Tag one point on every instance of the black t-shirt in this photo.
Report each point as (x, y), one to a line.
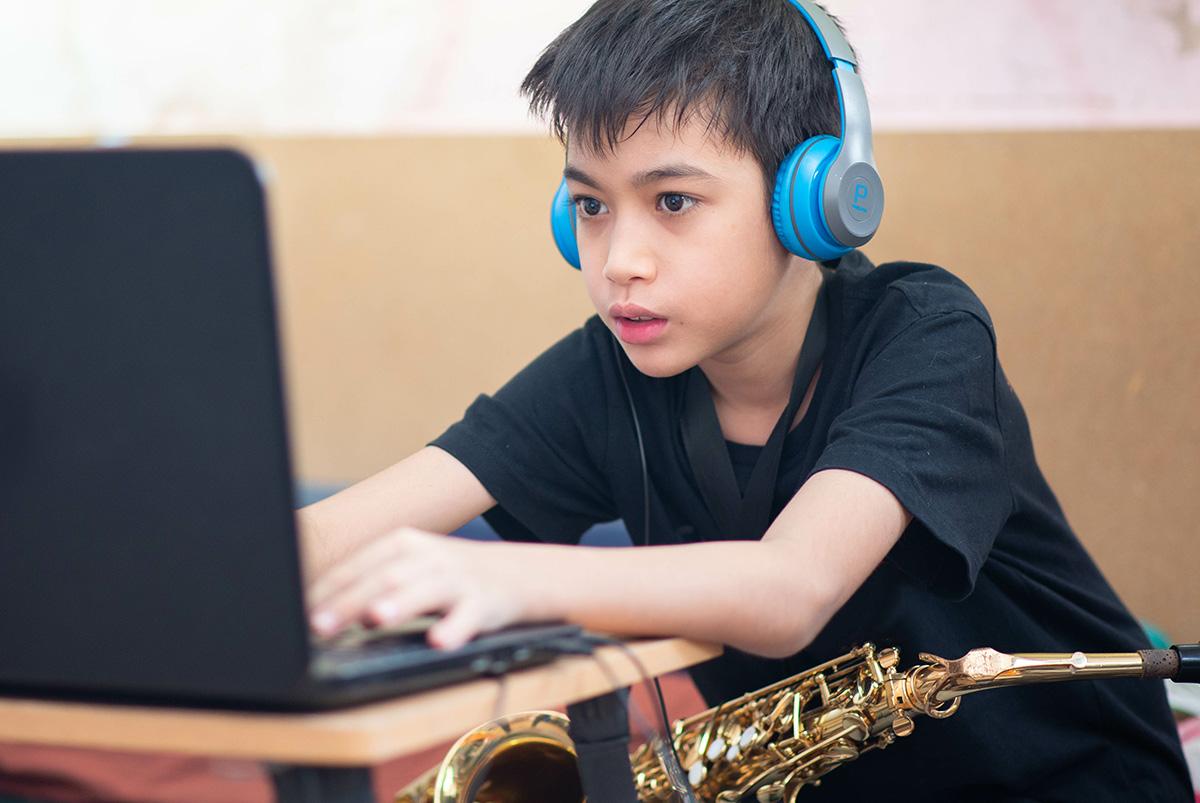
(912, 395)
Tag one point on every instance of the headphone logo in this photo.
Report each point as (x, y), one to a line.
(862, 192)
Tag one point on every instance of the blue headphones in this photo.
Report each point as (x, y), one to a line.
(828, 196)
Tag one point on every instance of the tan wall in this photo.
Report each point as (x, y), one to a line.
(417, 272)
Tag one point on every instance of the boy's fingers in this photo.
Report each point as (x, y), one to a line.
(456, 628)
(382, 603)
(337, 605)
(334, 581)
(359, 565)
(409, 603)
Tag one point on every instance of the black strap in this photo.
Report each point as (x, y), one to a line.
(599, 727)
(735, 515)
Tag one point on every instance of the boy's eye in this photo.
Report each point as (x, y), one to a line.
(588, 207)
(675, 203)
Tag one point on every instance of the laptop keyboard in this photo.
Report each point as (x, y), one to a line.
(358, 649)
(358, 637)
(361, 651)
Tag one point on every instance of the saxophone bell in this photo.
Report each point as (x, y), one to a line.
(523, 757)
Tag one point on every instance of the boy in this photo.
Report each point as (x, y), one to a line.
(903, 502)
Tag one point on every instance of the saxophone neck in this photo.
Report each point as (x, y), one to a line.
(940, 680)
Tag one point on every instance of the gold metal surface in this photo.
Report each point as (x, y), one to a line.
(523, 757)
(766, 745)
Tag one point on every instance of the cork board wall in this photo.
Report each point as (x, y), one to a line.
(415, 273)
(420, 272)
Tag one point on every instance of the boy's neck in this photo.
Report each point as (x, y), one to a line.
(752, 382)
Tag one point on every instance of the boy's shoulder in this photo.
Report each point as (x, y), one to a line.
(904, 291)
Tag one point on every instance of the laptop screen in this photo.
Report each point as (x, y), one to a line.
(146, 529)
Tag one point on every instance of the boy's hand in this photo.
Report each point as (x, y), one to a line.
(406, 573)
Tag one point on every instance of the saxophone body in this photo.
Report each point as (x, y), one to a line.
(767, 745)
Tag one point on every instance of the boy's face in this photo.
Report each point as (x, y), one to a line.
(674, 224)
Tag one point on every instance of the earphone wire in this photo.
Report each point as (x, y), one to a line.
(675, 772)
(662, 746)
(637, 431)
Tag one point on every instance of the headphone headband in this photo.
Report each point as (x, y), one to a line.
(852, 177)
(828, 33)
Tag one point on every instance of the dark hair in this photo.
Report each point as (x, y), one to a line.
(755, 67)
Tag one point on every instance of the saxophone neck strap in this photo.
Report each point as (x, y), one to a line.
(736, 515)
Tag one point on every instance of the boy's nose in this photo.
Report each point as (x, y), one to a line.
(625, 271)
(629, 258)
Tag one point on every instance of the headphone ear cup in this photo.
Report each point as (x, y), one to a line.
(562, 225)
(796, 205)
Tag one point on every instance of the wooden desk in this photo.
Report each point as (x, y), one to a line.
(327, 756)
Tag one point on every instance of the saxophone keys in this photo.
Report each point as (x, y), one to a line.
(771, 793)
(889, 658)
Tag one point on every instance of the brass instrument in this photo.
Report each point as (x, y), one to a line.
(768, 744)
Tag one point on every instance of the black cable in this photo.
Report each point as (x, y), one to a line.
(662, 707)
(585, 644)
(661, 742)
(637, 430)
(671, 763)
(501, 694)
(648, 730)
(658, 694)
(598, 639)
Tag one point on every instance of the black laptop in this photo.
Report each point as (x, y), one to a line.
(147, 536)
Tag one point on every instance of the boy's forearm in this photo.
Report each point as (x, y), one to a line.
(430, 490)
(318, 547)
(325, 536)
(747, 594)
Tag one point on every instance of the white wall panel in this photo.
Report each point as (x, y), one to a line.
(138, 67)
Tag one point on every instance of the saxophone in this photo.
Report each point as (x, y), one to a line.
(768, 744)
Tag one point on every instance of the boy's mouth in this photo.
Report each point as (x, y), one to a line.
(633, 312)
(637, 325)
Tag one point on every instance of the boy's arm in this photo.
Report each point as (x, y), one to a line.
(768, 597)
(429, 490)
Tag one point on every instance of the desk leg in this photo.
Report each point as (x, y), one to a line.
(600, 730)
(322, 784)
